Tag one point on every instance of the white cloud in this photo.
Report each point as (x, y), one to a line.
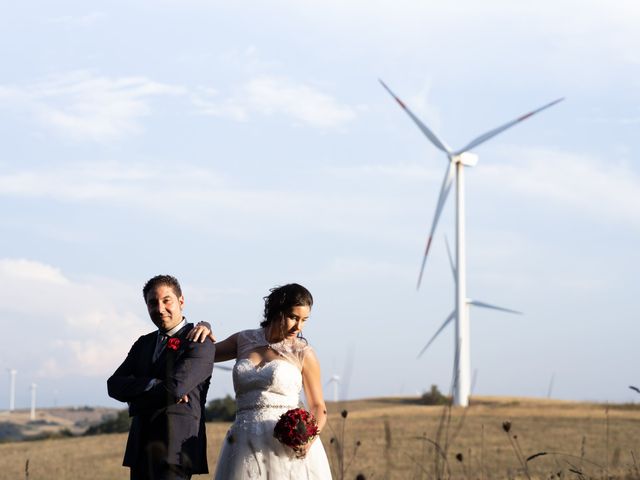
(270, 95)
(76, 328)
(301, 102)
(106, 339)
(28, 270)
(110, 181)
(196, 193)
(604, 189)
(207, 103)
(84, 106)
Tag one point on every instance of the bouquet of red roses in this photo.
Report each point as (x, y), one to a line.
(295, 428)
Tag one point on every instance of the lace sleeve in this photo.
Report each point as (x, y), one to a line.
(293, 350)
(250, 340)
(308, 351)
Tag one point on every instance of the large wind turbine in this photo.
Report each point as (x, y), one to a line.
(457, 160)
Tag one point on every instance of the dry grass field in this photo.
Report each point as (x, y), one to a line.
(396, 438)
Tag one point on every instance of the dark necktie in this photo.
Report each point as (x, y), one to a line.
(161, 342)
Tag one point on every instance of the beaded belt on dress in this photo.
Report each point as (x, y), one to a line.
(258, 406)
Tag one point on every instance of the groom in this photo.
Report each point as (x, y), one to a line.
(165, 379)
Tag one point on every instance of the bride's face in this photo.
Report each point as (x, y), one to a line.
(294, 321)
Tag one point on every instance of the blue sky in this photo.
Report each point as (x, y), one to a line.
(244, 146)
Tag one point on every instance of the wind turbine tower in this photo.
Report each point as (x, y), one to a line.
(12, 388)
(33, 401)
(457, 160)
(335, 379)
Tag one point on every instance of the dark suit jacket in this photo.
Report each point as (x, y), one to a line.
(161, 429)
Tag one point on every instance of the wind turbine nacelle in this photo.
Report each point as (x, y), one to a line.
(467, 159)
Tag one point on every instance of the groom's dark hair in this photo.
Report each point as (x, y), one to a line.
(158, 280)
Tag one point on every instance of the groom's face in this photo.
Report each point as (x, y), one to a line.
(165, 307)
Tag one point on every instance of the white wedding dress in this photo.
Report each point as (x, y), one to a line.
(263, 393)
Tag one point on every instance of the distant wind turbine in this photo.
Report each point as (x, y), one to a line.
(335, 380)
(12, 388)
(457, 160)
(33, 401)
(468, 302)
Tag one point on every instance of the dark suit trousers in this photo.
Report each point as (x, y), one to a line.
(159, 472)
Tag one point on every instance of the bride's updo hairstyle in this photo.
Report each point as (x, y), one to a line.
(282, 299)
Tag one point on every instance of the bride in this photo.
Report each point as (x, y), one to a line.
(273, 364)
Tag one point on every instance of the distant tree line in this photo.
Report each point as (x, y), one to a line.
(217, 410)
(434, 397)
(110, 424)
(221, 410)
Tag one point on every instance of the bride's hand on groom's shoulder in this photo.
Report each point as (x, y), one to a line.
(200, 332)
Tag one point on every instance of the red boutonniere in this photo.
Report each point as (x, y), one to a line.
(173, 343)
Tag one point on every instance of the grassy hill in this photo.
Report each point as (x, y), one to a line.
(397, 438)
(18, 425)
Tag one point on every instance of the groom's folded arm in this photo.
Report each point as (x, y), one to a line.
(192, 368)
(123, 385)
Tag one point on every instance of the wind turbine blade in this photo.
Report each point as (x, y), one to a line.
(333, 379)
(347, 373)
(493, 307)
(550, 389)
(446, 322)
(455, 377)
(442, 198)
(473, 381)
(430, 135)
(492, 133)
(453, 267)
